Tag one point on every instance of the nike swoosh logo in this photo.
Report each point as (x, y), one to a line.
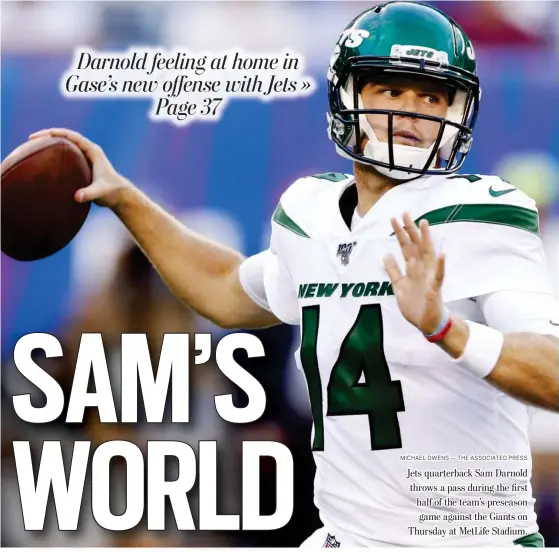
(499, 193)
(554, 323)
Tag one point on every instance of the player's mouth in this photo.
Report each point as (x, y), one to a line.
(407, 138)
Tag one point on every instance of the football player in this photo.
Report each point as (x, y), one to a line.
(428, 328)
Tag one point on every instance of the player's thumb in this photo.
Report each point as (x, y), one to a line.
(94, 191)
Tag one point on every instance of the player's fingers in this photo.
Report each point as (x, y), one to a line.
(402, 237)
(39, 134)
(411, 228)
(392, 269)
(427, 246)
(414, 268)
(439, 275)
(91, 150)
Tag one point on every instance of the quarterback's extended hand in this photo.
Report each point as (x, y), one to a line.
(418, 291)
(107, 186)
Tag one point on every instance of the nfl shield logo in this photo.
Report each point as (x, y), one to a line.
(331, 542)
(344, 251)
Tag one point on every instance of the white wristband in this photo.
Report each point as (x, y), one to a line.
(482, 351)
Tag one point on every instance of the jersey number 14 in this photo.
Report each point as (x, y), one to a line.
(361, 354)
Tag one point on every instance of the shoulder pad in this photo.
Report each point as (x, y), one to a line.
(304, 206)
(500, 249)
(478, 188)
(480, 198)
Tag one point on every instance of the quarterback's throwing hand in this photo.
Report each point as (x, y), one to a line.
(107, 186)
(418, 291)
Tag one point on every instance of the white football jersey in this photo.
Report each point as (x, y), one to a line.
(399, 428)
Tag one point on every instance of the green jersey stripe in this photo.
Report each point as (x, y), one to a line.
(505, 215)
(283, 219)
(535, 540)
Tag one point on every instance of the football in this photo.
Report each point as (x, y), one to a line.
(38, 182)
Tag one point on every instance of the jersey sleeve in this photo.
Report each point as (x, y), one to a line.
(251, 276)
(266, 280)
(521, 311)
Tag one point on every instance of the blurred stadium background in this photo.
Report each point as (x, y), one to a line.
(224, 180)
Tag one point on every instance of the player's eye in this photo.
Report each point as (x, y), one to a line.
(432, 99)
(390, 92)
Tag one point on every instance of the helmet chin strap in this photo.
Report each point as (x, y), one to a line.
(404, 156)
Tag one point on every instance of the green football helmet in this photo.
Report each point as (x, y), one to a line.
(403, 37)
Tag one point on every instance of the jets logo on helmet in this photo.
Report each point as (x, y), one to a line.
(355, 37)
(350, 38)
(413, 39)
(399, 50)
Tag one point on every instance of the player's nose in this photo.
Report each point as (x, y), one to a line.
(410, 102)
